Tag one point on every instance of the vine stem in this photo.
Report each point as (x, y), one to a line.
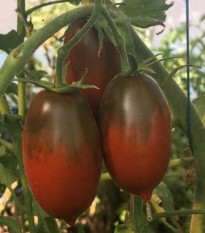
(177, 212)
(19, 56)
(137, 216)
(65, 49)
(4, 106)
(21, 112)
(120, 42)
(24, 183)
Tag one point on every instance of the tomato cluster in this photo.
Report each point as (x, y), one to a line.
(63, 146)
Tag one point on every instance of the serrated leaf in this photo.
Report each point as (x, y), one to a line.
(200, 107)
(9, 41)
(145, 13)
(145, 22)
(12, 224)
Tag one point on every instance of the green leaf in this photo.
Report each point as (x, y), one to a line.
(11, 124)
(145, 13)
(200, 107)
(8, 169)
(37, 210)
(12, 224)
(9, 41)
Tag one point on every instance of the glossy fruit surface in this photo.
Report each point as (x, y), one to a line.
(102, 63)
(135, 125)
(62, 154)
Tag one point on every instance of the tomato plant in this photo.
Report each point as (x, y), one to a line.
(61, 144)
(103, 63)
(135, 125)
(62, 154)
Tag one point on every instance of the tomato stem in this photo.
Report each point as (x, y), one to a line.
(21, 111)
(120, 42)
(65, 49)
(137, 215)
(4, 106)
(21, 99)
(26, 191)
(22, 33)
(177, 212)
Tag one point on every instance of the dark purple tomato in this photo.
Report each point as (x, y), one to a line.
(62, 154)
(135, 126)
(102, 63)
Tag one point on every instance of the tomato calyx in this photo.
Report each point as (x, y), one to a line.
(63, 88)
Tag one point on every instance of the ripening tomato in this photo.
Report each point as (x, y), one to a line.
(62, 153)
(135, 126)
(102, 63)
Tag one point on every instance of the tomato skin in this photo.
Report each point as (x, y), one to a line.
(62, 154)
(135, 126)
(102, 64)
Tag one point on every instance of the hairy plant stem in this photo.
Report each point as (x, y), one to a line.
(178, 102)
(22, 33)
(120, 42)
(65, 49)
